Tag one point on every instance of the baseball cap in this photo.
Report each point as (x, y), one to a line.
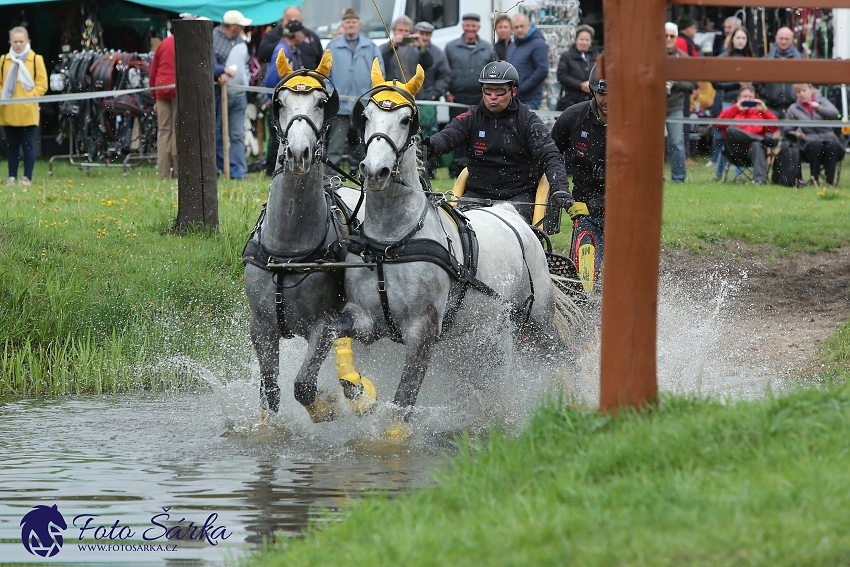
(235, 17)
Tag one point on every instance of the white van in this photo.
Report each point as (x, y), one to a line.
(325, 16)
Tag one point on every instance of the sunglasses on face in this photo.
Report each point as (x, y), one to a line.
(669, 35)
(491, 91)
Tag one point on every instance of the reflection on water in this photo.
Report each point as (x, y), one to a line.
(126, 458)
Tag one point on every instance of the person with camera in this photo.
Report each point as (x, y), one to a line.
(749, 140)
(508, 147)
(404, 48)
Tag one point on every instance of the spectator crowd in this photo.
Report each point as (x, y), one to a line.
(452, 74)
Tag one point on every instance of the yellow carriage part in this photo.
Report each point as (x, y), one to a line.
(541, 198)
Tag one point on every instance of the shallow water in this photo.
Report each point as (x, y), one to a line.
(127, 458)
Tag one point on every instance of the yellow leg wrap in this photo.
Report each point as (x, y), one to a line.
(398, 430)
(360, 393)
(324, 407)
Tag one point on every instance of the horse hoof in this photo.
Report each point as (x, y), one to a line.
(399, 430)
(324, 408)
(362, 398)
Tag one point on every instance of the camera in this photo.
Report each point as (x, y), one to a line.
(750, 103)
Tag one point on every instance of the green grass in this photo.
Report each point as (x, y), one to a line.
(96, 285)
(695, 482)
(97, 288)
(702, 213)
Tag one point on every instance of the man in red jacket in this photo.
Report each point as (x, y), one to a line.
(162, 73)
(749, 140)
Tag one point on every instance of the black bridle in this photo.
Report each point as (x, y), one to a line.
(359, 120)
(330, 110)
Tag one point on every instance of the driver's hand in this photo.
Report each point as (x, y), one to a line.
(562, 199)
(578, 210)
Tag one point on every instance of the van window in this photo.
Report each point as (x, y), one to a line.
(441, 13)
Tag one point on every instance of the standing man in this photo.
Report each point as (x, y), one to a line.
(779, 96)
(678, 95)
(730, 24)
(508, 146)
(436, 85)
(353, 54)
(230, 55)
(310, 47)
(411, 52)
(165, 104)
(466, 55)
(687, 32)
(581, 132)
(530, 55)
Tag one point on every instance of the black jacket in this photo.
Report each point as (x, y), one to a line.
(730, 89)
(573, 70)
(508, 154)
(409, 55)
(310, 47)
(579, 131)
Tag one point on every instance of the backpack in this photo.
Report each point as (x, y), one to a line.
(786, 165)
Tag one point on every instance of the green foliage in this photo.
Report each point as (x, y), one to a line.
(694, 482)
(96, 283)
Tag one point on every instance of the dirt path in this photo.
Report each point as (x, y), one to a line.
(782, 309)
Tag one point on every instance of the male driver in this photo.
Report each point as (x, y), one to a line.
(230, 67)
(310, 46)
(530, 55)
(508, 146)
(467, 55)
(581, 132)
(747, 140)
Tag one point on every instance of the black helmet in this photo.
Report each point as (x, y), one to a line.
(597, 85)
(498, 72)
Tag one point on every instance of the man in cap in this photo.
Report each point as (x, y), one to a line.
(508, 146)
(230, 67)
(687, 32)
(310, 46)
(351, 74)
(436, 83)
(581, 133)
(466, 55)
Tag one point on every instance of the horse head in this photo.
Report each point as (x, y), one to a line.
(390, 122)
(303, 108)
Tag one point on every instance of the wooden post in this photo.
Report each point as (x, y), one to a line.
(197, 197)
(633, 188)
(225, 132)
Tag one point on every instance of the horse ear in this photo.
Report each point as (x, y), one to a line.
(377, 74)
(414, 84)
(283, 68)
(326, 63)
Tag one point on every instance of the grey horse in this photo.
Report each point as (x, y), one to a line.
(301, 223)
(409, 301)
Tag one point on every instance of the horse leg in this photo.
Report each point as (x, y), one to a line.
(419, 337)
(266, 340)
(359, 391)
(321, 405)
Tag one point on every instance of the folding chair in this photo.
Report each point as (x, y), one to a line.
(743, 164)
